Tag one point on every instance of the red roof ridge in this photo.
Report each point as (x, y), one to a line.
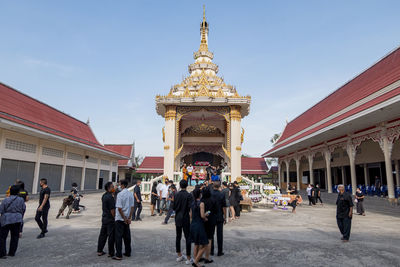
(12, 88)
(348, 81)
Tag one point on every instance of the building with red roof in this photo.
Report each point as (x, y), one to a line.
(125, 166)
(38, 141)
(349, 137)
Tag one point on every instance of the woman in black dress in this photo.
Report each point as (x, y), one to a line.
(209, 225)
(232, 201)
(154, 197)
(197, 232)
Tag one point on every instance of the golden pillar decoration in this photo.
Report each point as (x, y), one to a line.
(170, 113)
(235, 113)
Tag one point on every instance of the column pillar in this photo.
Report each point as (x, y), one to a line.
(287, 174)
(1, 146)
(310, 167)
(111, 171)
(343, 169)
(169, 141)
(351, 152)
(396, 167)
(64, 170)
(37, 169)
(298, 173)
(387, 151)
(83, 176)
(236, 148)
(328, 157)
(366, 180)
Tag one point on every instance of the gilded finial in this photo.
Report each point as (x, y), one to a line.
(204, 32)
(204, 13)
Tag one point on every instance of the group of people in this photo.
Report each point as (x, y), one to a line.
(211, 172)
(12, 211)
(313, 194)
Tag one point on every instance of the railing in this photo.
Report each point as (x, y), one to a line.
(253, 185)
(146, 185)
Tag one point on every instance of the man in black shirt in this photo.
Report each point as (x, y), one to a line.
(138, 202)
(107, 221)
(344, 212)
(182, 202)
(43, 210)
(220, 204)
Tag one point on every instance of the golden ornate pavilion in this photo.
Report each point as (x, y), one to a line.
(203, 116)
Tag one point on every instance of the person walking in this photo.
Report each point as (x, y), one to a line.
(360, 202)
(210, 209)
(171, 199)
(137, 201)
(153, 198)
(12, 210)
(107, 230)
(182, 203)
(220, 204)
(318, 194)
(25, 196)
(198, 233)
(232, 201)
(159, 188)
(238, 198)
(163, 197)
(190, 174)
(226, 192)
(123, 219)
(42, 211)
(309, 189)
(344, 213)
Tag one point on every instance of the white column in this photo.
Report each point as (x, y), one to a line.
(287, 174)
(310, 167)
(387, 151)
(169, 141)
(64, 170)
(351, 152)
(298, 172)
(236, 148)
(37, 169)
(328, 156)
(366, 180)
(110, 173)
(396, 167)
(83, 177)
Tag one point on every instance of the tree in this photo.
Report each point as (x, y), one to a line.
(274, 138)
(273, 161)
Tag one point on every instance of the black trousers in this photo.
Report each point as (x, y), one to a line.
(220, 238)
(137, 210)
(189, 180)
(41, 218)
(122, 232)
(107, 232)
(309, 200)
(344, 225)
(186, 232)
(14, 229)
(237, 209)
(316, 199)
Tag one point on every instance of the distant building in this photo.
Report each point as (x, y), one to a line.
(38, 141)
(125, 166)
(151, 167)
(255, 168)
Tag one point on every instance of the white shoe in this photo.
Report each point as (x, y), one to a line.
(181, 258)
(189, 262)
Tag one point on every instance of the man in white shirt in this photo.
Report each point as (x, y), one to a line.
(123, 218)
(190, 173)
(158, 188)
(164, 196)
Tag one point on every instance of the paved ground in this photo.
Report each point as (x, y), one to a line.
(264, 237)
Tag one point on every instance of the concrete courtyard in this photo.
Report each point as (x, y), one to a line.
(264, 237)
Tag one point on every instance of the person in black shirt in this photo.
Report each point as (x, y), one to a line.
(344, 212)
(24, 194)
(318, 194)
(43, 210)
(182, 203)
(137, 202)
(171, 198)
(209, 225)
(360, 202)
(220, 203)
(107, 221)
(154, 198)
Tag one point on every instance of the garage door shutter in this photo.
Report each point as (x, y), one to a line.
(12, 170)
(90, 179)
(72, 175)
(53, 175)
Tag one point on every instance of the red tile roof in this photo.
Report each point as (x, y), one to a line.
(249, 166)
(125, 150)
(378, 76)
(152, 165)
(25, 110)
(256, 166)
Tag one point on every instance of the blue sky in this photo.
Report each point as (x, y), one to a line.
(106, 60)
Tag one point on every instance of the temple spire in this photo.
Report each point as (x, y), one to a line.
(204, 32)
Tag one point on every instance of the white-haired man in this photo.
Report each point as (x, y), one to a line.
(344, 212)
